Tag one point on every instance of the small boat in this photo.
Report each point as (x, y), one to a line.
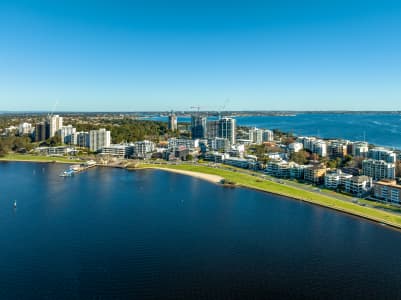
(15, 203)
(67, 173)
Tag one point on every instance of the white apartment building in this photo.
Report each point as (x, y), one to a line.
(295, 147)
(67, 134)
(81, 139)
(55, 122)
(216, 157)
(241, 163)
(256, 135)
(284, 169)
(118, 150)
(382, 154)
(314, 145)
(320, 148)
(358, 185)
(219, 144)
(360, 149)
(174, 143)
(24, 128)
(142, 148)
(378, 169)
(99, 139)
(333, 179)
(268, 135)
(228, 129)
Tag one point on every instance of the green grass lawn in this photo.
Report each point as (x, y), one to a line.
(249, 181)
(37, 158)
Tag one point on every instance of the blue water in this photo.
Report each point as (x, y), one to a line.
(116, 234)
(379, 129)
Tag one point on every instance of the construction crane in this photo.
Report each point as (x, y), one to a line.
(49, 115)
(197, 107)
(223, 107)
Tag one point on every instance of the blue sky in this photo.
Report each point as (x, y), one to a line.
(162, 55)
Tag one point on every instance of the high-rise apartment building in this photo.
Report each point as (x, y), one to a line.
(172, 122)
(256, 135)
(228, 129)
(199, 127)
(212, 129)
(99, 139)
(81, 139)
(55, 122)
(67, 134)
(42, 131)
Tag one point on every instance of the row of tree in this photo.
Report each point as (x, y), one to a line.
(129, 130)
(15, 144)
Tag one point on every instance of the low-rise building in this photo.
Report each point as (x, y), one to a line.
(380, 153)
(358, 185)
(378, 169)
(338, 149)
(314, 145)
(278, 168)
(219, 144)
(295, 147)
(315, 174)
(119, 150)
(333, 180)
(215, 157)
(56, 151)
(360, 149)
(241, 163)
(174, 143)
(143, 149)
(284, 169)
(387, 190)
(25, 129)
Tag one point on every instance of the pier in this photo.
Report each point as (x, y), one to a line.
(78, 168)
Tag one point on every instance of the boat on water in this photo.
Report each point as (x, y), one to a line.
(15, 203)
(67, 173)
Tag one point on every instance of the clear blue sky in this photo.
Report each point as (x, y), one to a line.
(162, 55)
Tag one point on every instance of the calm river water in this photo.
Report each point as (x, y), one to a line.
(116, 234)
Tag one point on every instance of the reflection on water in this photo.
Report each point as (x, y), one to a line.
(115, 234)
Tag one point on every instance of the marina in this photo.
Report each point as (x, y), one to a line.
(78, 168)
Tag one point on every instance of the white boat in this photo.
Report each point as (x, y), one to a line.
(67, 173)
(15, 203)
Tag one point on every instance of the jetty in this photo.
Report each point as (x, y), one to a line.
(78, 168)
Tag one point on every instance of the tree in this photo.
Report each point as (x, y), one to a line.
(398, 169)
(332, 164)
(301, 157)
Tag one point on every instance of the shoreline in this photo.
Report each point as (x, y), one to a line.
(38, 161)
(208, 177)
(336, 205)
(217, 175)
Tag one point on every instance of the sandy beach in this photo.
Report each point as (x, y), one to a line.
(208, 177)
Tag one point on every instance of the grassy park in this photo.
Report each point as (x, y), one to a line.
(38, 158)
